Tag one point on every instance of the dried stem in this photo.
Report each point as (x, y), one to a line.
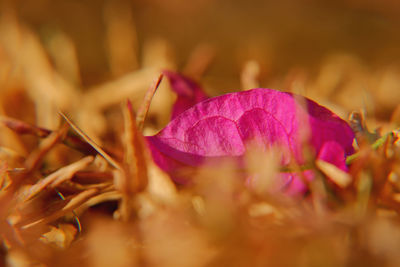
(92, 143)
(144, 107)
(21, 127)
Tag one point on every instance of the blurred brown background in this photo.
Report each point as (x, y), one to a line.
(279, 34)
(343, 54)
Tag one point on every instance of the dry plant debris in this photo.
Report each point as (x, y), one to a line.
(79, 188)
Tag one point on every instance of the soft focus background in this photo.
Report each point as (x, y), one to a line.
(68, 206)
(280, 35)
(289, 40)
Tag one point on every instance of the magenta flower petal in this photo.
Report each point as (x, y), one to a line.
(333, 153)
(188, 92)
(294, 182)
(222, 127)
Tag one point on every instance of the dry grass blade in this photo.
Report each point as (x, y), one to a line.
(46, 87)
(316, 187)
(46, 145)
(92, 143)
(160, 186)
(70, 205)
(61, 236)
(113, 92)
(134, 177)
(80, 199)
(21, 127)
(144, 107)
(57, 177)
(70, 170)
(89, 177)
(135, 157)
(339, 177)
(10, 155)
(357, 123)
(70, 186)
(3, 174)
(250, 75)
(100, 198)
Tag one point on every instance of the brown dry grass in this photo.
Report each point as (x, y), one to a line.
(78, 187)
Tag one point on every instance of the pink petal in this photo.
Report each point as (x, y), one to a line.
(333, 153)
(188, 92)
(222, 127)
(295, 184)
